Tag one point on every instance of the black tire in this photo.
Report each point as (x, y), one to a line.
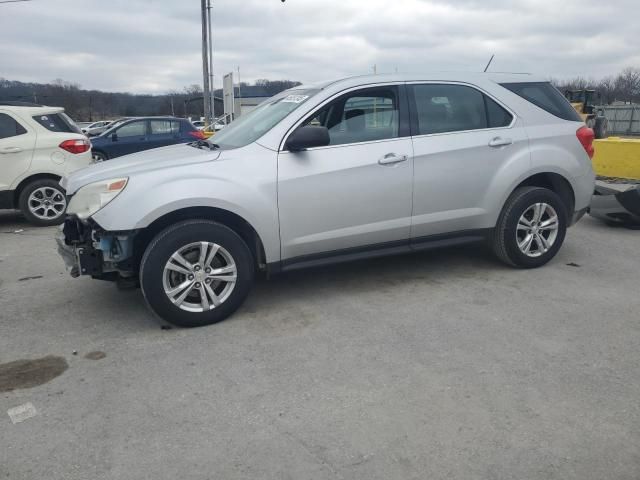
(505, 236)
(600, 127)
(99, 156)
(40, 220)
(173, 239)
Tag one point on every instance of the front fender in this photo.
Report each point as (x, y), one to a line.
(252, 197)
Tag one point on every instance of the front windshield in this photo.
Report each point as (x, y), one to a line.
(264, 117)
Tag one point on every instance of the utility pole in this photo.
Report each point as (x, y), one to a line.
(212, 88)
(204, 4)
(239, 90)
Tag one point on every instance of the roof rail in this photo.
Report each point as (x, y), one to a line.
(7, 103)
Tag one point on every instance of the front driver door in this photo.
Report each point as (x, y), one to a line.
(354, 194)
(129, 138)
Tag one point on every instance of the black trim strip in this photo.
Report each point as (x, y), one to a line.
(379, 250)
(6, 199)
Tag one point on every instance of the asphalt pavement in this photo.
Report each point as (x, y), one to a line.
(443, 364)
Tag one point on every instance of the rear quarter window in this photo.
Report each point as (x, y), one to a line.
(545, 96)
(57, 122)
(9, 127)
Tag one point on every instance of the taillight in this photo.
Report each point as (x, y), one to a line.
(75, 146)
(198, 134)
(585, 136)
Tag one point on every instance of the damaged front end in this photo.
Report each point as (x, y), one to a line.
(87, 249)
(617, 205)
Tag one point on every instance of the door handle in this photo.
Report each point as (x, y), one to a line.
(392, 159)
(500, 142)
(10, 150)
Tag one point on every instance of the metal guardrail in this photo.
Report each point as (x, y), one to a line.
(622, 119)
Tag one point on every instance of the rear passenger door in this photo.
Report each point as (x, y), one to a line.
(17, 141)
(163, 133)
(462, 138)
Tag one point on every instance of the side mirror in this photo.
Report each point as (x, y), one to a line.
(308, 137)
(114, 137)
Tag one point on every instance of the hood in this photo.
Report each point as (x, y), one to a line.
(143, 162)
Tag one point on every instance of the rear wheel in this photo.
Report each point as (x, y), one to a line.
(531, 228)
(196, 273)
(43, 202)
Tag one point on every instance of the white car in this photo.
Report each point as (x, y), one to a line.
(38, 146)
(96, 128)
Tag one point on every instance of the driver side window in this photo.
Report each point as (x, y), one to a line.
(360, 116)
(133, 129)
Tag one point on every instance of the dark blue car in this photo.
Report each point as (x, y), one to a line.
(138, 134)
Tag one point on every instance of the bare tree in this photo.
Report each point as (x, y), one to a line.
(628, 84)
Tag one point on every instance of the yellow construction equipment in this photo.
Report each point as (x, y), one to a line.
(617, 158)
(583, 102)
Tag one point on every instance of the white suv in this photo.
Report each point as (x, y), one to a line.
(38, 146)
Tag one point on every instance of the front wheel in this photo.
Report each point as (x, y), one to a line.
(531, 228)
(196, 273)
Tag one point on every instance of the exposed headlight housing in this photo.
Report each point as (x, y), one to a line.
(94, 196)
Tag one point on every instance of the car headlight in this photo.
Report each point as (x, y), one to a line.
(94, 196)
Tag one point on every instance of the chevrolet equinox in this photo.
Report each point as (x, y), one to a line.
(344, 170)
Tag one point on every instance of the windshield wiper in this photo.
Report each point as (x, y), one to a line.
(204, 143)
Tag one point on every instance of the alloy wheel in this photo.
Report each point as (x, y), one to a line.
(47, 203)
(199, 276)
(537, 229)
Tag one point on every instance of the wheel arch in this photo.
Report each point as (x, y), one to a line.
(225, 217)
(100, 151)
(554, 182)
(32, 178)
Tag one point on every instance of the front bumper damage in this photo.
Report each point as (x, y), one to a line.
(87, 249)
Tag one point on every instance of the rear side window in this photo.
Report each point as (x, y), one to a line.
(57, 122)
(164, 127)
(496, 115)
(448, 108)
(9, 127)
(545, 96)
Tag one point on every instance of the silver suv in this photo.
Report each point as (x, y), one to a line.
(351, 169)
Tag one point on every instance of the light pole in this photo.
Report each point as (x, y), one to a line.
(206, 59)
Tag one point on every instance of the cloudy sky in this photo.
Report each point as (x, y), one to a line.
(154, 45)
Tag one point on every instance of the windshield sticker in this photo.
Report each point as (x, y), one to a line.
(295, 98)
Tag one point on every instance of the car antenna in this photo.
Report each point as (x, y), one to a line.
(490, 60)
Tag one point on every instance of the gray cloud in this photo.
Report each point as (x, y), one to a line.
(153, 45)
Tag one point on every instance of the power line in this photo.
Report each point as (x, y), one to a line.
(13, 1)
